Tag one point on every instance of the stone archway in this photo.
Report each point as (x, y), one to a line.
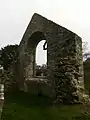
(31, 51)
(64, 58)
(41, 59)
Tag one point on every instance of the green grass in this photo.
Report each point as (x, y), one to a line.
(24, 106)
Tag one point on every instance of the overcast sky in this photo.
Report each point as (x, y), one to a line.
(15, 15)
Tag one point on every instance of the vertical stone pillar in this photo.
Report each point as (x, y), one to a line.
(66, 67)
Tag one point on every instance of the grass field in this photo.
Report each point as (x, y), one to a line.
(24, 106)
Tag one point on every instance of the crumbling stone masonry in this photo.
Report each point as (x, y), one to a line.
(64, 59)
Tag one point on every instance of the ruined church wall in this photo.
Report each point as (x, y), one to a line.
(65, 68)
(65, 64)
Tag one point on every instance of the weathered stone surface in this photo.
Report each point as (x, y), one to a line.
(64, 58)
(38, 85)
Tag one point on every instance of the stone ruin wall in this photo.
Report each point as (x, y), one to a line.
(65, 65)
(64, 56)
